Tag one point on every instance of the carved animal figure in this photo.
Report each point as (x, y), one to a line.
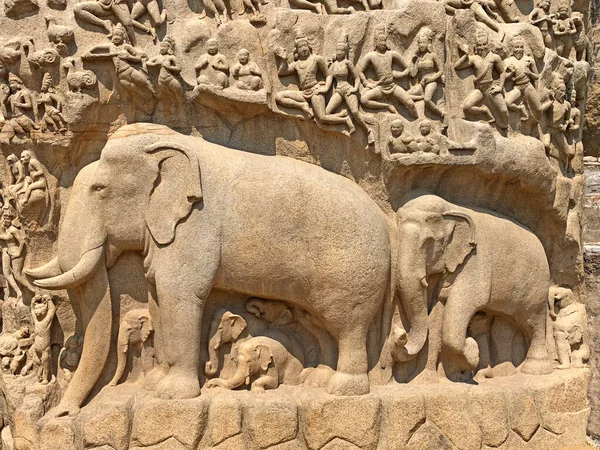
(80, 79)
(263, 363)
(486, 262)
(205, 216)
(134, 332)
(229, 328)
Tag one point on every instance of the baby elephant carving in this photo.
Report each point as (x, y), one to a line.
(263, 363)
(134, 339)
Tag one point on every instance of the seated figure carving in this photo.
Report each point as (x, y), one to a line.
(570, 328)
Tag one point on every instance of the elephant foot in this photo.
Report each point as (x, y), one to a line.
(348, 384)
(63, 409)
(178, 385)
(537, 366)
(152, 378)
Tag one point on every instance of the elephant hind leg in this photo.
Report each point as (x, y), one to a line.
(537, 361)
(351, 376)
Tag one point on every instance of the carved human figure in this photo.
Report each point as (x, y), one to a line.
(169, 89)
(70, 355)
(13, 242)
(14, 345)
(489, 76)
(212, 68)
(218, 9)
(263, 363)
(563, 29)
(134, 338)
(344, 72)
(21, 106)
(42, 312)
(482, 10)
(574, 119)
(540, 17)
(35, 177)
(581, 43)
(4, 93)
(401, 141)
(570, 325)
(17, 175)
(558, 116)
(307, 66)
(99, 12)
(53, 119)
(246, 73)
(157, 17)
(427, 142)
(255, 7)
(122, 54)
(427, 69)
(522, 71)
(383, 60)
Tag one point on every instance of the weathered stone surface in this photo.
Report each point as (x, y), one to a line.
(325, 419)
(270, 421)
(224, 419)
(157, 420)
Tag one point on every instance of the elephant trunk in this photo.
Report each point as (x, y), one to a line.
(412, 287)
(80, 273)
(212, 365)
(96, 314)
(241, 376)
(122, 348)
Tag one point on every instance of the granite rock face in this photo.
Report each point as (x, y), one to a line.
(290, 224)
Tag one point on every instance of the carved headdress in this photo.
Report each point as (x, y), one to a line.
(15, 78)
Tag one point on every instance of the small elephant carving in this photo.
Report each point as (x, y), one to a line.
(263, 363)
(570, 324)
(135, 337)
(230, 328)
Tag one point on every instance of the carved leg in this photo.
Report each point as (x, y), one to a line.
(351, 376)
(370, 99)
(534, 325)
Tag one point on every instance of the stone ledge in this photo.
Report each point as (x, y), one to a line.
(521, 411)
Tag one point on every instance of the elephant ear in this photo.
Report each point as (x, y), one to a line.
(462, 239)
(176, 188)
(237, 324)
(265, 357)
(575, 335)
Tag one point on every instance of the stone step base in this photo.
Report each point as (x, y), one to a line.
(520, 411)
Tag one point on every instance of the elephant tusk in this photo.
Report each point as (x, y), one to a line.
(48, 270)
(424, 282)
(79, 274)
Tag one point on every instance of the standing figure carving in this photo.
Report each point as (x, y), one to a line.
(427, 70)
(35, 178)
(557, 120)
(70, 355)
(212, 68)
(522, 71)
(42, 312)
(540, 17)
(383, 60)
(307, 66)
(134, 81)
(343, 71)
(563, 29)
(489, 75)
(169, 89)
(53, 119)
(13, 242)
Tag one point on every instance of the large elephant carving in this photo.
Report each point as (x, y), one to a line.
(481, 261)
(205, 216)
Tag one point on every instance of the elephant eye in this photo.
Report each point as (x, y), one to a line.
(98, 187)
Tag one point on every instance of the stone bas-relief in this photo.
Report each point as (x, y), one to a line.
(237, 224)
